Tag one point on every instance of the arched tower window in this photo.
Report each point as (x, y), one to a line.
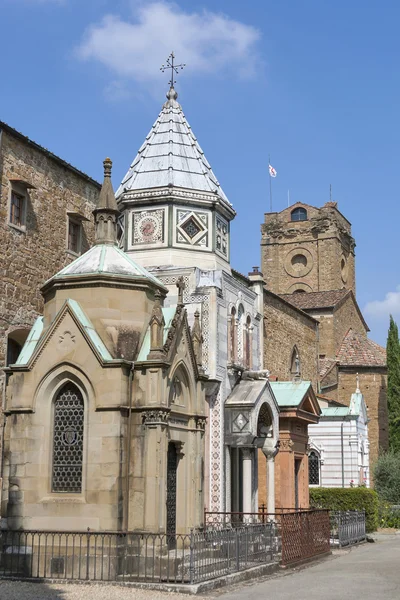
(313, 468)
(232, 349)
(68, 440)
(247, 343)
(298, 214)
(240, 334)
(295, 365)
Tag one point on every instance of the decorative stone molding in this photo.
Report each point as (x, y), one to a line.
(155, 417)
(201, 423)
(286, 445)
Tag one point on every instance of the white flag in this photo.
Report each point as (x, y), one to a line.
(272, 171)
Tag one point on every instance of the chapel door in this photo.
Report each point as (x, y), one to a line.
(172, 464)
(297, 465)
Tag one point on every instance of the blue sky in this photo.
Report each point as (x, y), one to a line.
(315, 84)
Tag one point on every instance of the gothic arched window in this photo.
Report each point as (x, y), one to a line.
(232, 350)
(240, 332)
(247, 343)
(298, 214)
(313, 468)
(68, 440)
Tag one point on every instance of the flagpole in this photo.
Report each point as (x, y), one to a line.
(270, 184)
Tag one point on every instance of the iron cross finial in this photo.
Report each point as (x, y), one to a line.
(170, 64)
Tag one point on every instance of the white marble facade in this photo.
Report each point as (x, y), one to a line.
(339, 445)
(176, 223)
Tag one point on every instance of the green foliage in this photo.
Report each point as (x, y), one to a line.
(389, 516)
(393, 389)
(387, 476)
(359, 498)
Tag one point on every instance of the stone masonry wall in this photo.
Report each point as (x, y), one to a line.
(323, 241)
(29, 258)
(285, 327)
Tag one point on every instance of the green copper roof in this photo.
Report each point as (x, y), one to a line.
(90, 330)
(106, 259)
(37, 330)
(31, 341)
(289, 393)
(335, 411)
(169, 313)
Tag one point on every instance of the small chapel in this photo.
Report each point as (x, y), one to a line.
(107, 400)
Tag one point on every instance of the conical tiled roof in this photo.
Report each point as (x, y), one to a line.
(171, 157)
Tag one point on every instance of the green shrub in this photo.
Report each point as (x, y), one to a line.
(387, 477)
(359, 498)
(389, 516)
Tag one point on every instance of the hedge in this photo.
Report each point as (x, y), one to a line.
(359, 498)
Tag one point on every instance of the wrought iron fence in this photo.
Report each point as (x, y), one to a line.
(305, 535)
(347, 527)
(145, 557)
(299, 534)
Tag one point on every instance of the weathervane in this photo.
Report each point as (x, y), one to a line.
(174, 68)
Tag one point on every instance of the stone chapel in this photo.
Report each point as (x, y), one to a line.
(105, 404)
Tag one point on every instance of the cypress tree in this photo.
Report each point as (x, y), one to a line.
(393, 389)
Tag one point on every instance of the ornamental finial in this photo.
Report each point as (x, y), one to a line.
(358, 391)
(107, 164)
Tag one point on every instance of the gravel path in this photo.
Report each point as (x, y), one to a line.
(17, 590)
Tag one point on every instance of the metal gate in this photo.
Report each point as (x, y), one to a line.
(172, 463)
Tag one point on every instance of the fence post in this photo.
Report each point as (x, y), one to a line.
(191, 559)
(87, 553)
(237, 549)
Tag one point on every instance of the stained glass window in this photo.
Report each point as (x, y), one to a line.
(68, 440)
(313, 468)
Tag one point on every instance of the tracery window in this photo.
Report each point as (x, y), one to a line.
(247, 343)
(313, 468)
(68, 440)
(232, 350)
(299, 214)
(240, 332)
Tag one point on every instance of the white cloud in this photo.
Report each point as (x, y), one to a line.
(390, 305)
(207, 42)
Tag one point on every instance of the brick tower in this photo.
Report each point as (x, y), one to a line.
(307, 249)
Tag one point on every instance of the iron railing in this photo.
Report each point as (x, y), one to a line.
(347, 527)
(305, 535)
(145, 557)
(300, 534)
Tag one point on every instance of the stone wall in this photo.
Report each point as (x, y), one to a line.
(285, 327)
(335, 323)
(373, 385)
(30, 257)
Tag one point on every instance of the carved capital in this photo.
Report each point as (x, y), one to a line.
(286, 445)
(152, 418)
(201, 423)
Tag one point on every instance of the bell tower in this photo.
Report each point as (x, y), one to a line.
(307, 249)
